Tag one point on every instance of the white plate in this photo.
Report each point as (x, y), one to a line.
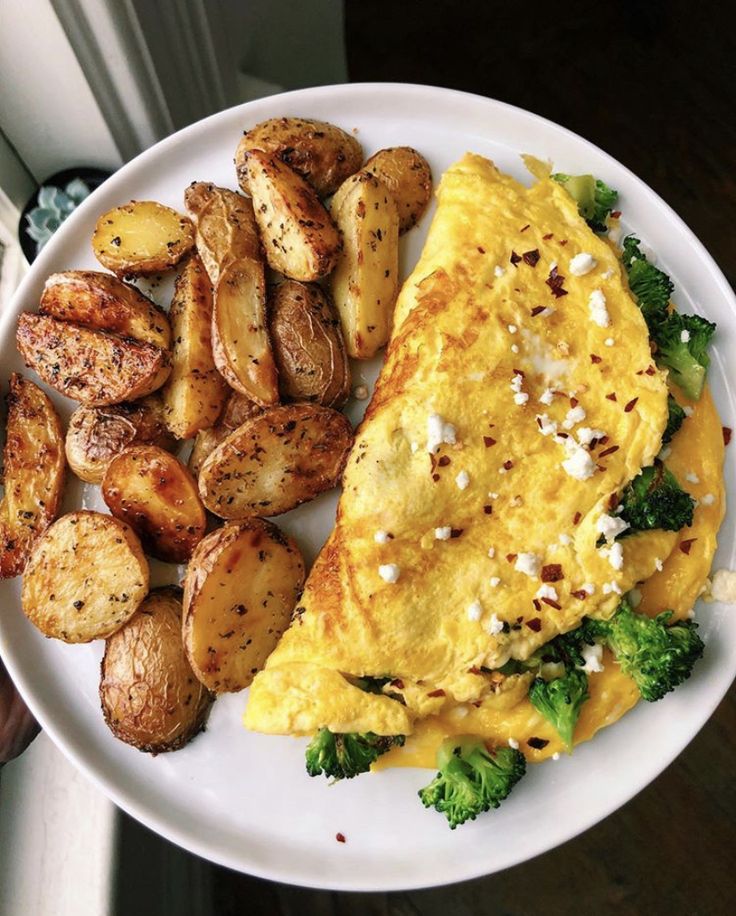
(244, 800)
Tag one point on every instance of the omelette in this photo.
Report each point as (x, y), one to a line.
(480, 514)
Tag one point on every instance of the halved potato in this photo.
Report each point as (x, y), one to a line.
(95, 435)
(86, 577)
(307, 345)
(321, 153)
(142, 237)
(299, 238)
(241, 586)
(274, 462)
(156, 495)
(237, 410)
(34, 466)
(101, 301)
(92, 367)
(195, 392)
(406, 173)
(365, 282)
(150, 696)
(205, 442)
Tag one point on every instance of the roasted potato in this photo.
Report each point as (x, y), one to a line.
(95, 435)
(141, 238)
(195, 392)
(407, 175)
(276, 461)
(365, 282)
(299, 238)
(150, 697)
(90, 366)
(321, 153)
(205, 442)
(101, 301)
(156, 495)
(33, 473)
(241, 586)
(307, 345)
(86, 577)
(237, 410)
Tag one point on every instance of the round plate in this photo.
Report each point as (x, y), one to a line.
(244, 800)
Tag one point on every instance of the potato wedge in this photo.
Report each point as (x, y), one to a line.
(274, 462)
(195, 392)
(205, 442)
(299, 238)
(241, 586)
(85, 579)
(95, 435)
(321, 153)
(101, 301)
(141, 238)
(237, 410)
(90, 366)
(365, 282)
(406, 173)
(150, 696)
(156, 495)
(307, 345)
(34, 466)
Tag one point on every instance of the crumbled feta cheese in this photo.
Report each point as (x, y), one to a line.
(516, 382)
(546, 426)
(658, 565)
(586, 435)
(552, 265)
(615, 232)
(547, 397)
(513, 744)
(494, 581)
(609, 587)
(381, 537)
(691, 477)
(579, 465)
(691, 614)
(414, 447)
(582, 264)
(443, 534)
(723, 586)
(528, 563)
(492, 495)
(438, 432)
(609, 341)
(588, 587)
(360, 392)
(516, 502)
(556, 755)
(573, 416)
(708, 499)
(688, 411)
(512, 329)
(685, 336)
(495, 626)
(616, 556)
(635, 597)
(514, 348)
(665, 453)
(607, 274)
(547, 591)
(592, 656)
(462, 480)
(389, 572)
(499, 271)
(610, 526)
(520, 398)
(475, 610)
(598, 310)
(491, 552)
(565, 539)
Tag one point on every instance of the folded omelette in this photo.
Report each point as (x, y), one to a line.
(518, 398)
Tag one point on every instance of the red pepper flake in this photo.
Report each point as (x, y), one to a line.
(552, 572)
(650, 370)
(602, 440)
(594, 358)
(444, 461)
(686, 545)
(613, 501)
(600, 467)
(488, 510)
(727, 433)
(340, 837)
(555, 281)
(474, 670)
(537, 605)
(481, 250)
(515, 258)
(435, 477)
(552, 603)
(580, 594)
(576, 518)
(564, 435)
(531, 257)
(615, 214)
(488, 441)
(538, 743)
(436, 693)
(611, 396)
(640, 372)
(510, 557)
(398, 683)
(519, 372)
(537, 310)
(477, 703)
(508, 464)
(547, 237)
(574, 402)
(631, 405)
(609, 451)
(524, 228)
(535, 624)
(563, 241)
(456, 532)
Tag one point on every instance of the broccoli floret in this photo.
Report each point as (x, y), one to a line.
(675, 419)
(471, 778)
(651, 286)
(344, 756)
(682, 346)
(658, 657)
(654, 499)
(594, 198)
(560, 701)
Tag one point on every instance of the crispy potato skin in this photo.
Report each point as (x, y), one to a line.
(34, 471)
(237, 410)
(299, 238)
(241, 586)
(365, 282)
(323, 154)
(195, 392)
(85, 579)
(89, 366)
(406, 173)
(307, 344)
(100, 301)
(155, 494)
(276, 461)
(95, 435)
(141, 238)
(149, 694)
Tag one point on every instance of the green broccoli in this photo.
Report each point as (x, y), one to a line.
(675, 419)
(560, 700)
(471, 778)
(654, 499)
(344, 756)
(657, 656)
(682, 346)
(651, 286)
(594, 198)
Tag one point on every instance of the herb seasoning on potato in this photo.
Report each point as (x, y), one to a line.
(406, 173)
